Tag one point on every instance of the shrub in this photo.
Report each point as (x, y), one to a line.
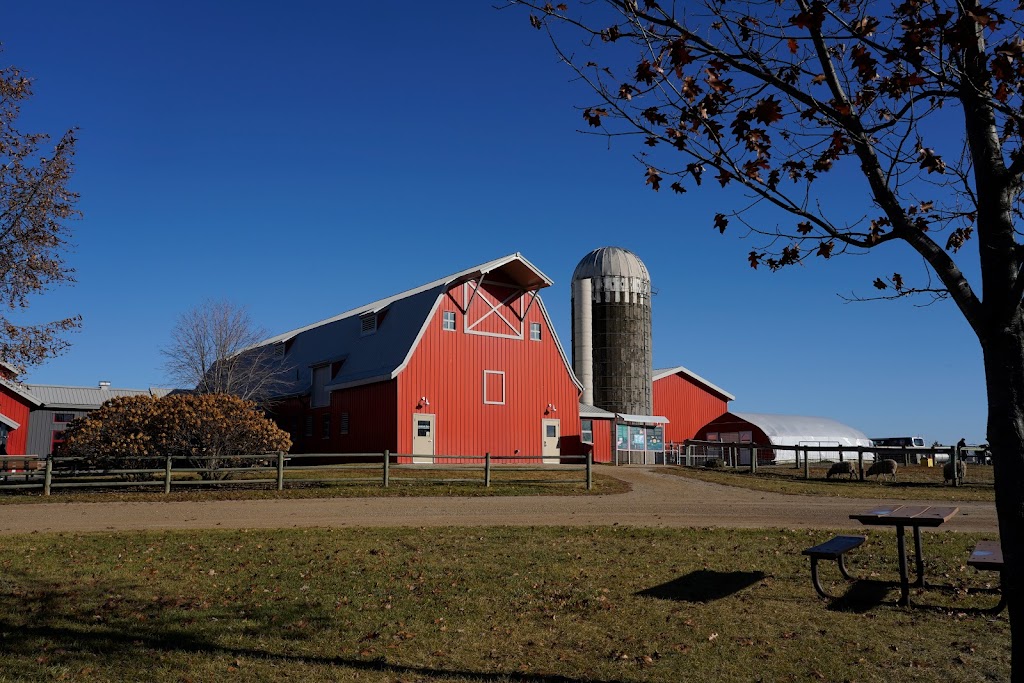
(205, 429)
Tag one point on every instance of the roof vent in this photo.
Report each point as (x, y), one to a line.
(368, 323)
(104, 385)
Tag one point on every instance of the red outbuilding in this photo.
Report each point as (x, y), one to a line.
(465, 365)
(15, 405)
(688, 401)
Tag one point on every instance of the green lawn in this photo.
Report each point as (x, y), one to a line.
(495, 605)
(913, 482)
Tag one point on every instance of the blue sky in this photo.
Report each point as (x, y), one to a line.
(301, 159)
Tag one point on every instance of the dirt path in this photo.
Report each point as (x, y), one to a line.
(656, 500)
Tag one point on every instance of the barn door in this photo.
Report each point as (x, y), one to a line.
(422, 438)
(552, 441)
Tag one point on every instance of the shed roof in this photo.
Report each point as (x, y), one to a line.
(85, 398)
(792, 430)
(680, 370)
(589, 412)
(21, 390)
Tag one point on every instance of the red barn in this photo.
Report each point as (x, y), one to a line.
(15, 405)
(464, 365)
(688, 400)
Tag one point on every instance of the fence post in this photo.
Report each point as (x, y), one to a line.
(387, 469)
(796, 457)
(807, 463)
(167, 474)
(590, 471)
(956, 465)
(48, 476)
(840, 454)
(688, 454)
(487, 469)
(280, 470)
(753, 458)
(860, 463)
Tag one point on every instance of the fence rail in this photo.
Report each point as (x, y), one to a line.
(695, 453)
(49, 472)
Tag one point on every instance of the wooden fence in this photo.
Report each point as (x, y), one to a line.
(751, 456)
(47, 473)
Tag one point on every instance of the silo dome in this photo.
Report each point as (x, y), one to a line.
(611, 331)
(611, 261)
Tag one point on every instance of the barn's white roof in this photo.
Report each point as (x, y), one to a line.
(84, 398)
(794, 430)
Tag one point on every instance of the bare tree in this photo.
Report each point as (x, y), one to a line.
(915, 106)
(35, 208)
(214, 349)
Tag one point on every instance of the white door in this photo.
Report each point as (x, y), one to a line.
(552, 441)
(422, 438)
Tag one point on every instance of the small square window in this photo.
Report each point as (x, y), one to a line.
(587, 431)
(448, 321)
(63, 417)
(534, 331)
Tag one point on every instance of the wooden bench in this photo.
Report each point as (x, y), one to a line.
(832, 549)
(988, 555)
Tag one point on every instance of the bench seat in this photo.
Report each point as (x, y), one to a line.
(832, 549)
(988, 555)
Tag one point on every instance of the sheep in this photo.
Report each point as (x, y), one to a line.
(947, 471)
(883, 467)
(841, 468)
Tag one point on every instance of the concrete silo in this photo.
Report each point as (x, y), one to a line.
(611, 331)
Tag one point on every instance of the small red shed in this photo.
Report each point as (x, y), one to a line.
(15, 405)
(688, 400)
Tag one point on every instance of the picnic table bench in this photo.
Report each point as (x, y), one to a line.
(988, 555)
(832, 549)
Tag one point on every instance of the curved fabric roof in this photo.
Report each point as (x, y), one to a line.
(793, 430)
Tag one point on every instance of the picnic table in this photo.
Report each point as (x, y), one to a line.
(902, 516)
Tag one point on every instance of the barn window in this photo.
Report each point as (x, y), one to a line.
(325, 427)
(309, 425)
(63, 417)
(448, 321)
(319, 396)
(343, 424)
(534, 331)
(494, 387)
(587, 431)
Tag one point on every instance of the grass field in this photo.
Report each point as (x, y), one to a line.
(913, 482)
(343, 483)
(520, 605)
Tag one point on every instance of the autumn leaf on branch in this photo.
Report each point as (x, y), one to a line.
(653, 178)
(720, 222)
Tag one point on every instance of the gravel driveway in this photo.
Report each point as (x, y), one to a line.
(656, 500)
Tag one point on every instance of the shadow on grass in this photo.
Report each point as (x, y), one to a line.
(46, 620)
(862, 596)
(703, 585)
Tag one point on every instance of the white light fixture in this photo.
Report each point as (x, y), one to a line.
(424, 401)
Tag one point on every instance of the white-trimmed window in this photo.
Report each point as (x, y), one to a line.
(494, 387)
(319, 396)
(587, 431)
(534, 331)
(448, 321)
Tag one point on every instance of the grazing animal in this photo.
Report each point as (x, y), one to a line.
(947, 471)
(841, 468)
(883, 467)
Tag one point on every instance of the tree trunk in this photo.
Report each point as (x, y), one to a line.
(1004, 374)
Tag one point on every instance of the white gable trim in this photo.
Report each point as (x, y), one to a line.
(695, 377)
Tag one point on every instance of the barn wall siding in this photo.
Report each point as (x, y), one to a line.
(687, 405)
(15, 408)
(448, 367)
